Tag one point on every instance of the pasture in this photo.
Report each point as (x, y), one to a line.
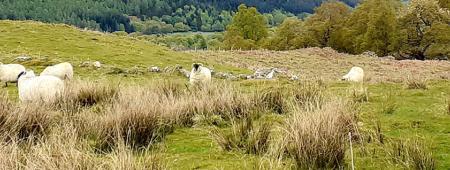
(122, 116)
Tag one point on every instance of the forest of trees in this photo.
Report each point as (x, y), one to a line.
(419, 29)
(150, 16)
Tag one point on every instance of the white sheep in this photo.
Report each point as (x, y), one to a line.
(356, 74)
(199, 74)
(10, 72)
(43, 88)
(62, 71)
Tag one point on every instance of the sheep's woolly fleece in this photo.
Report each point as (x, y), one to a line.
(62, 71)
(41, 88)
(10, 72)
(356, 74)
(199, 75)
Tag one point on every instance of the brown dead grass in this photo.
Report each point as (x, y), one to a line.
(327, 64)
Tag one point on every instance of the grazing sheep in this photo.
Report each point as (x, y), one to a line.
(41, 88)
(356, 74)
(9, 72)
(62, 71)
(199, 74)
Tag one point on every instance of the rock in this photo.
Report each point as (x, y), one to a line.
(265, 73)
(228, 76)
(154, 69)
(294, 78)
(370, 54)
(97, 64)
(442, 57)
(22, 58)
(85, 64)
(184, 72)
(387, 58)
(135, 70)
(242, 76)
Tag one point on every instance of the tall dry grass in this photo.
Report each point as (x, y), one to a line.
(416, 82)
(245, 135)
(309, 95)
(317, 139)
(412, 154)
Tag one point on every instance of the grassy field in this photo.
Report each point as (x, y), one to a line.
(154, 121)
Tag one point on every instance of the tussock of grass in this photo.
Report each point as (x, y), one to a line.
(274, 99)
(309, 95)
(136, 117)
(30, 121)
(244, 135)
(416, 83)
(317, 139)
(65, 149)
(78, 94)
(412, 154)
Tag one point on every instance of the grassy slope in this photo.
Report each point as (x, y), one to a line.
(60, 43)
(192, 148)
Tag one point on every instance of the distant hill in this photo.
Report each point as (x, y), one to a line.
(112, 15)
(53, 43)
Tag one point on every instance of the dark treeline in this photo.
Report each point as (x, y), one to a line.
(151, 16)
(419, 29)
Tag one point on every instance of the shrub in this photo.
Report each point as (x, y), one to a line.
(252, 139)
(317, 139)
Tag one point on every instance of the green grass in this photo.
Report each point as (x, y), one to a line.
(62, 43)
(418, 113)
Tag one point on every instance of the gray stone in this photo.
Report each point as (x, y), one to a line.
(154, 69)
(22, 58)
(387, 58)
(370, 54)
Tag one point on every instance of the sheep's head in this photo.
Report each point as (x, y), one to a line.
(196, 66)
(26, 74)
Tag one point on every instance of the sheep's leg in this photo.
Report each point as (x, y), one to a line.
(6, 84)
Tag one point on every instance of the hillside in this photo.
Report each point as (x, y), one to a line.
(53, 43)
